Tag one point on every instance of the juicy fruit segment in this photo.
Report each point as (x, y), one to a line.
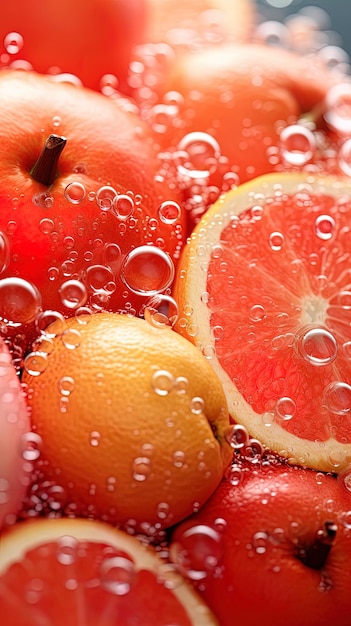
(264, 292)
(14, 442)
(131, 418)
(83, 572)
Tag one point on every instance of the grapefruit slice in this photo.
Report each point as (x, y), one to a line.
(264, 290)
(74, 571)
(14, 426)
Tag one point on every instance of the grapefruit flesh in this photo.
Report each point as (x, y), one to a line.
(265, 289)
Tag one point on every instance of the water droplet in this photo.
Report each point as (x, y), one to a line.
(147, 270)
(276, 241)
(198, 551)
(285, 408)
(162, 382)
(324, 227)
(73, 294)
(35, 363)
(197, 155)
(75, 193)
(337, 398)
(141, 468)
(297, 144)
(317, 346)
(20, 301)
(169, 212)
(117, 575)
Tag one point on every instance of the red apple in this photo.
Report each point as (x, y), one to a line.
(74, 224)
(272, 546)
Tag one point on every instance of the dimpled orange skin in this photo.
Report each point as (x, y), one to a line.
(120, 450)
(106, 145)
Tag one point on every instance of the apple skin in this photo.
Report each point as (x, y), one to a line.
(87, 38)
(106, 146)
(14, 425)
(274, 511)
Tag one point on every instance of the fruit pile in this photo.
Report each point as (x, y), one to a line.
(175, 315)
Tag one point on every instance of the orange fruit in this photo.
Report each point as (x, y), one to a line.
(263, 289)
(132, 420)
(85, 572)
(271, 546)
(15, 439)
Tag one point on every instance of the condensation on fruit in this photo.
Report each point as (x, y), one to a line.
(20, 301)
(197, 551)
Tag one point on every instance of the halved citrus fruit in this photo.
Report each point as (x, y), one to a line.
(75, 571)
(264, 290)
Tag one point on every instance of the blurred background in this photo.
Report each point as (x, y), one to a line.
(333, 15)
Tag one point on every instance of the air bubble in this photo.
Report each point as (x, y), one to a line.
(257, 313)
(35, 363)
(100, 278)
(162, 382)
(197, 405)
(337, 398)
(31, 445)
(344, 157)
(109, 85)
(161, 310)
(141, 468)
(75, 193)
(73, 294)
(317, 346)
(13, 43)
(4, 252)
(67, 550)
(197, 552)
(105, 197)
(66, 385)
(123, 206)
(297, 145)
(285, 408)
(46, 319)
(147, 270)
(276, 241)
(71, 339)
(197, 155)
(237, 436)
(95, 437)
(338, 105)
(117, 575)
(169, 212)
(324, 227)
(20, 301)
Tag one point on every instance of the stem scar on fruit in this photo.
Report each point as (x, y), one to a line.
(316, 554)
(45, 169)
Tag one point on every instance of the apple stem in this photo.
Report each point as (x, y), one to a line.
(45, 169)
(316, 554)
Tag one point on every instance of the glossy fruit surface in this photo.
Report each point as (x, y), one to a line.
(271, 546)
(132, 420)
(71, 238)
(84, 572)
(263, 290)
(90, 39)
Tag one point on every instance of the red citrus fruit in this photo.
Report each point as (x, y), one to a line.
(271, 546)
(15, 440)
(82, 572)
(90, 39)
(80, 230)
(263, 289)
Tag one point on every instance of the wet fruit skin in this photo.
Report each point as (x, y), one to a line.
(273, 569)
(52, 238)
(87, 38)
